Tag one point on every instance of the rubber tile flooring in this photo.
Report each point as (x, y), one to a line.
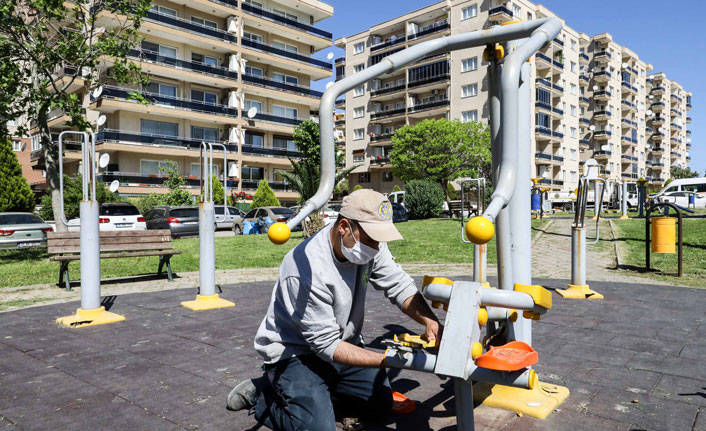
(633, 361)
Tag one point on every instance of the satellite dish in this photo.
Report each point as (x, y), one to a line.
(688, 140)
(651, 96)
(605, 147)
(24, 146)
(329, 56)
(101, 120)
(595, 88)
(114, 186)
(661, 129)
(104, 160)
(649, 112)
(625, 65)
(329, 85)
(252, 112)
(679, 121)
(97, 92)
(592, 127)
(545, 175)
(233, 170)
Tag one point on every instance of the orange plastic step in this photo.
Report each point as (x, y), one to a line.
(402, 405)
(513, 356)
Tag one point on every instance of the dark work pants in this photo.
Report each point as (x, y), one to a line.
(303, 392)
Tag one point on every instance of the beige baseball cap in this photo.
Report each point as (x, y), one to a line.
(373, 211)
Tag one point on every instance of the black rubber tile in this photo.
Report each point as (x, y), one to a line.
(681, 389)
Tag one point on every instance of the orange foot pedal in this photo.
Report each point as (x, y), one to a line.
(402, 405)
(513, 356)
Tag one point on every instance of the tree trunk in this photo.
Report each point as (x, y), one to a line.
(51, 162)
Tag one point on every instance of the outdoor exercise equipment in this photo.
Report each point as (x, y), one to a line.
(91, 311)
(480, 251)
(507, 50)
(207, 298)
(641, 195)
(537, 196)
(663, 234)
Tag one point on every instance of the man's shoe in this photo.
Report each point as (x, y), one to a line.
(243, 396)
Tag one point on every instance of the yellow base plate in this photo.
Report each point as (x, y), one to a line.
(538, 402)
(89, 318)
(579, 292)
(624, 218)
(209, 302)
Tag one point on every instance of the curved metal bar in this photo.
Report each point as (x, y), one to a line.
(225, 179)
(539, 31)
(598, 207)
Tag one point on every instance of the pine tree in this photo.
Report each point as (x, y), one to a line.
(264, 196)
(15, 193)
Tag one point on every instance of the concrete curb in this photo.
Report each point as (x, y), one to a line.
(541, 232)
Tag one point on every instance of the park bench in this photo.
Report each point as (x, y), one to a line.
(65, 247)
(469, 209)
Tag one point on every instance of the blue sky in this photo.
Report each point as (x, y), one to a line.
(672, 39)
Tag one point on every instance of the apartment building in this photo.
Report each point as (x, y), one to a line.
(589, 93)
(225, 71)
(22, 147)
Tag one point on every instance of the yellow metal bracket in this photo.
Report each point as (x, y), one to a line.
(414, 341)
(541, 296)
(82, 318)
(575, 291)
(209, 302)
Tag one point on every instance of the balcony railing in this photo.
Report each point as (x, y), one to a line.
(380, 160)
(154, 180)
(272, 118)
(657, 104)
(602, 113)
(628, 122)
(602, 153)
(557, 134)
(377, 58)
(440, 102)
(340, 60)
(598, 133)
(156, 58)
(277, 85)
(657, 89)
(111, 92)
(629, 104)
(558, 111)
(630, 176)
(280, 186)
(389, 113)
(601, 54)
(543, 105)
(191, 27)
(545, 82)
(259, 46)
(558, 158)
(602, 73)
(500, 10)
(381, 91)
(584, 78)
(602, 93)
(430, 29)
(382, 137)
(114, 135)
(585, 142)
(541, 56)
(583, 57)
(429, 80)
(270, 16)
(584, 121)
(558, 87)
(558, 63)
(544, 156)
(394, 40)
(558, 41)
(266, 151)
(543, 130)
(584, 99)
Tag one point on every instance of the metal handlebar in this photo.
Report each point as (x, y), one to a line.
(207, 194)
(89, 169)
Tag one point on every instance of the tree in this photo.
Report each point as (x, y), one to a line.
(451, 191)
(678, 173)
(42, 41)
(218, 191)
(15, 193)
(264, 196)
(440, 151)
(73, 194)
(396, 188)
(423, 199)
(176, 196)
(357, 187)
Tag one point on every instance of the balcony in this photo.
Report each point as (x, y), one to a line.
(688, 120)
(602, 115)
(628, 106)
(627, 88)
(657, 106)
(544, 83)
(627, 123)
(675, 112)
(558, 88)
(584, 79)
(278, 186)
(341, 103)
(602, 134)
(115, 98)
(430, 29)
(629, 176)
(542, 61)
(273, 17)
(439, 80)
(543, 105)
(263, 81)
(558, 62)
(377, 58)
(677, 98)
(601, 56)
(656, 121)
(191, 27)
(271, 152)
(438, 103)
(269, 49)
(675, 126)
(583, 58)
(543, 158)
(584, 143)
(602, 95)
(171, 63)
(688, 146)
(558, 135)
(500, 14)
(380, 139)
(627, 140)
(688, 158)
(602, 76)
(657, 137)
(688, 106)
(628, 158)
(543, 133)
(675, 154)
(688, 132)
(388, 114)
(657, 90)
(558, 42)
(116, 136)
(584, 121)
(269, 117)
(133, 179)
(584, 101)
(392, 41)
(658, 150)
(558, 111)
(602, 154)
(379, 160)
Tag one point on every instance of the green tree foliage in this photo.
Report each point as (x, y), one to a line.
(678, 173)
(440, 151)
(264, 196)
(218, 191)
(73, 194)
(423, 199)
(176, 196)
(451, 191)
(305, 175)
(146, 203)
(15, 193)
(341, 189)
(357, 187)
(41, 41)
(396, 188)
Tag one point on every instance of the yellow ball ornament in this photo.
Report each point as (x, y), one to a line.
(279, 233)
(479, 230)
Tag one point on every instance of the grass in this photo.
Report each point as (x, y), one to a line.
(426, 241)
(21, 303)
(632, 237)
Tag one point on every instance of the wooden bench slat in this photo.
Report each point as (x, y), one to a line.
(126, 233)
(118, 255)
(110, 247)
(157, 239)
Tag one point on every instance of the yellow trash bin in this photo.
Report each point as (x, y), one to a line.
(664, 233)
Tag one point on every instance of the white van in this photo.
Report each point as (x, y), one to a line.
(678, 192)
(396, 197)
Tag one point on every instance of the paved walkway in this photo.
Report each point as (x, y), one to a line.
(633, 361)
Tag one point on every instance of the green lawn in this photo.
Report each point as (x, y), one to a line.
(632, 237)
(426, 241)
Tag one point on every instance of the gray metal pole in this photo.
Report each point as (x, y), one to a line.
(578, 256)
(624, 200)
(463, 398)
(207, 252)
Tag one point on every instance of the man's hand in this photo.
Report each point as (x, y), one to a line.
(434, 331)
(417, 308)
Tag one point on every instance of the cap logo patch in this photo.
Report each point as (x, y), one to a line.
(385, 211)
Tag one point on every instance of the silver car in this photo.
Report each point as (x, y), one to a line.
(181, 221)
(232, 214)
(21, 230)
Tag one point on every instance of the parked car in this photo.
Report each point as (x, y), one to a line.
(181, 221)
(21, 230)
(232, 214)
(330, 213)
(276, 214)
(682, 199)
(114, 217)
(399, 213)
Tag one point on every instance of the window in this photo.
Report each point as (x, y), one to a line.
(285, 79)
(195, 170)
(285, 14)
(204, 133)
(359, 112)
(254, 71)
(285, 47)
(204, 22)
(358, 47)
(162, 89)
(358, 155)
(204, 59)
(572, 66)
(284, 143)
(283, 111)
(469, 90)
(358, 68)
(159, 128)
(469, 64)
(253, 174)
(387, 176)
(36, 142)
(359, 90)
(468, 116)
(529, 16)
(572, 88)
(572, 110)
(573, 45)
(163, 50)
(364, 177)
(358, 133)
(16, 146)
(164, 10)
(573, 175)
(253, 3)
(252, 103)
(204, 96)
(252, 36)
(470, 12)
(572, 133)
(516, 11)
(153, 167)
(254, 140)
(573, 155)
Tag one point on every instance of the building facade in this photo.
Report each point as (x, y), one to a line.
(590, 95)
(232, 72)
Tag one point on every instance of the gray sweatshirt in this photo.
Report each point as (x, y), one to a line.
(318, 301)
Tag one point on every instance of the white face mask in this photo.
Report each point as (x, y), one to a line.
(359, 254)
